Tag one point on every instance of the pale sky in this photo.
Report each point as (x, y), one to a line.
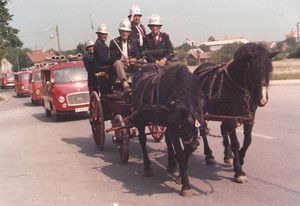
(197, 20)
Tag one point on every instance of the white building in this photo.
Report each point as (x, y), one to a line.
(6, 66)
(216, 45)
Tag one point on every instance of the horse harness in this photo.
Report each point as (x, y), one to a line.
(214, 93)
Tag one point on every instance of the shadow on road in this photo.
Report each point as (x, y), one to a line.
(132, 177)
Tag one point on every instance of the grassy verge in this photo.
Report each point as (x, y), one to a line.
(285, 76)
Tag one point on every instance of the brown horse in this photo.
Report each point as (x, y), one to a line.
(233, 92)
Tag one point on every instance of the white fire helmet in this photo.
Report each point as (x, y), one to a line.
(135, 10)
(89, 43)
(125, 25)
(154, 20)
(102, 29)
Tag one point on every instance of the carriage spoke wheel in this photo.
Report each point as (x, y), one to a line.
(97, 120)
(157, 132)
(122, 138)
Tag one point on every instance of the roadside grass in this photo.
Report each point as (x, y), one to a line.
(285, 76)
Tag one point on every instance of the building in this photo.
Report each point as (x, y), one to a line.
(216, 45)
(6, 66)
(40, 58)
(197, 57)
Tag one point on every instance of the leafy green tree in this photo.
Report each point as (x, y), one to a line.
(226, 53)
(18, 58)
(204, 48)
(8, 35)
(80, 48)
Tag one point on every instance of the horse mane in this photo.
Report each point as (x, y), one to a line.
(258, 59)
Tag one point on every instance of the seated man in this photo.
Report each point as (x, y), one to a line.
(157, 44)
(124, 52)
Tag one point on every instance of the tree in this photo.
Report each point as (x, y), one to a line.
(18, 58)
(8, 35)
(204, 48)
(226, 53)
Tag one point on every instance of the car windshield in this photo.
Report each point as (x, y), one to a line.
(70, 74)
(8, 75)
(36, 76)
(24, 76)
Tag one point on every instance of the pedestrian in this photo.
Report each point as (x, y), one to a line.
(124, 53)
(90, 66)
(157, 44)
(138, 31)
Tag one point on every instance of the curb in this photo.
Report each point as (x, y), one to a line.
(290, 82)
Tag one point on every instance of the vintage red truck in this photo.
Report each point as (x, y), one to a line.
(64, 89)
(35, 86)
(22, 83)
(7, 80)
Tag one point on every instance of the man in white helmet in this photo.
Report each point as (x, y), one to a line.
(124, 52)
(138, 32)
(101, 50)
(158, 42)
(102, 60)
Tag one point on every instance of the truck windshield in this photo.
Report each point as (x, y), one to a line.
(70, 74)
(24, 76)
(36, 76)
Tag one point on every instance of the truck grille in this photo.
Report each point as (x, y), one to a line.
(79, 98)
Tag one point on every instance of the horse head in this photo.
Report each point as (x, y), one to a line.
(257, 66)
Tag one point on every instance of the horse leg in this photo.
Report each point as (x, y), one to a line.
(228, 157)
(171, 167)
(240, 175)
(247, 141)
(182, 157)
(142, 140)
(209, 158)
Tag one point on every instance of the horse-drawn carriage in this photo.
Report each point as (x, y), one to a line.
(114, 105)
(182, 102)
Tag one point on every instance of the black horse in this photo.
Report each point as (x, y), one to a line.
(233, 92)
(171, 98)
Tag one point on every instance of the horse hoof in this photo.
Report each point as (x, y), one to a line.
(210, 161)
(178, 180)
(228, 161)
(186, 193)
(148, 173)
(171, 169)
(241, 179)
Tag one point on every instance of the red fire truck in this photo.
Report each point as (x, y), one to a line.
(7, 80)
(35, 86)
(22, 83)
(64, 89)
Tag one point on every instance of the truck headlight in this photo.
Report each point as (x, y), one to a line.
(61, 99)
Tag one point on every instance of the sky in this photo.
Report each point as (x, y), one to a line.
(196, 20)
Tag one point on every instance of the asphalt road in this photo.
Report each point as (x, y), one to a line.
(43, 162)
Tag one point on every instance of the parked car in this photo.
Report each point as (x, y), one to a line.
(22, 83)
(7, 80)
(64, 89)
(35, 86)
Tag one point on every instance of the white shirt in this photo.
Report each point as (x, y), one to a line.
(124, 48)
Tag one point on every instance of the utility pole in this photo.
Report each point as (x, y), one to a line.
(57, 37)
(298, 38)
(92, 26)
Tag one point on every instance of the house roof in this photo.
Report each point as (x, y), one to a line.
(39, 55)
(201, 55)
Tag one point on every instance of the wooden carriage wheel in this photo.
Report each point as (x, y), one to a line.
(97, 120)
(122, 138)
(157, 132)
